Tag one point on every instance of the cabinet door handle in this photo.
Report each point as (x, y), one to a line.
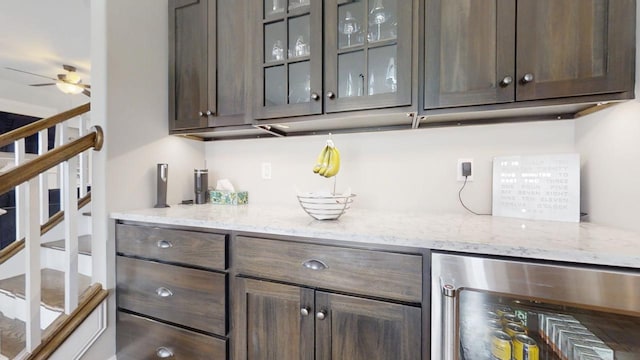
(163, 353)
(164, 244)
(331, 95)
(527, 78)
(321, 315)
(200, 113)
(314, 264)
(449, 322)
(210, 113)
(315, 96)
(163, 292)
(304, 311)
(506, 81)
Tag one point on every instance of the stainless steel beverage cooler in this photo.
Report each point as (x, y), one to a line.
(563, 311)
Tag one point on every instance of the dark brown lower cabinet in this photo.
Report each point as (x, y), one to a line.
(281, 322)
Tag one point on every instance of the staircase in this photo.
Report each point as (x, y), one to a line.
(46, 286)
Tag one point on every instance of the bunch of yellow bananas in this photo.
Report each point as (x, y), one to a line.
(328, 162)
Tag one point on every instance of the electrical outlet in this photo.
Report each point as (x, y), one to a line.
(266, 171)
(460, 177)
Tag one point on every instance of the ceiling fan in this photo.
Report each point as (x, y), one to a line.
(69, 82)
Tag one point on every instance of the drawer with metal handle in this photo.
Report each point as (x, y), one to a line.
(367, 272)
(189, 297)
(176, 246)
(139, 338)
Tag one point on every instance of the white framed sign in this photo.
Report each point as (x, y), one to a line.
(537, 187)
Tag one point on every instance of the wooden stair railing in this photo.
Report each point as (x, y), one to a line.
(42, 163)
(33, 128)
(15, 247)
(39, 347)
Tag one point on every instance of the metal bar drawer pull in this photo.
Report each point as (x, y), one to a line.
(163, 292)
(314, 265)
(164, 244)
(163, 353)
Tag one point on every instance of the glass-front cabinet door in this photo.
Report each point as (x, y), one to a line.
(289, 69)
(367, 54)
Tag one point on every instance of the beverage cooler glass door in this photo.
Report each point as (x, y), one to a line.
(501, 309)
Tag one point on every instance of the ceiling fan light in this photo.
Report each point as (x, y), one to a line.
(72, 77)
(68, 88)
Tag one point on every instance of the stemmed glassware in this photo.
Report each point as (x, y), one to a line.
(349, 26)
(390, 78)
(277, 7)
(378, 16)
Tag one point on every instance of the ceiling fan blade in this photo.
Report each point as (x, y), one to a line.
(69, 67)
(47, 84)
(86, 92)
(30, 73)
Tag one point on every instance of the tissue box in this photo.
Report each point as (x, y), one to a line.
(221, 197)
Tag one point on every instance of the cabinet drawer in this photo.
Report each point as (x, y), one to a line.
(375, 273)
(139, 338)
(178, 246)
(189, 297)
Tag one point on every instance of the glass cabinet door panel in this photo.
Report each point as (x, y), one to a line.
(351, 26)
(274, 41)
(289, 60)
(275, 89)
(383, 23)
(274, 7)
(295, 4)
(299, 37)
(383, 72)
(299, 82)
(351, 74)
(368, 62)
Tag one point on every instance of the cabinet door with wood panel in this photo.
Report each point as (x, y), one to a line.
(189, 61)
(469, 52)
(484, 52)
(274, 321)
(277, 321)
(569, 48)
(206, 63)
(353, 328)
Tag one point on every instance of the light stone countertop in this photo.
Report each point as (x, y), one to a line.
(582, 243)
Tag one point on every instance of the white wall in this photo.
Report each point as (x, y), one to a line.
(129, 100)
(406, 170)
(609, 143)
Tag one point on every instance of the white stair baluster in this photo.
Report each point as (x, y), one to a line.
(61, 139)
(69, 189)
(82, 157)
(43, 144)
(21, 201)
(32, 264)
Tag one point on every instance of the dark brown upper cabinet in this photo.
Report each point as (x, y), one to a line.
(288, 69)
(206, 63)
(366, 56)
(481, 52)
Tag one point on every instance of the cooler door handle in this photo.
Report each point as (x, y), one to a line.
(449, 322)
